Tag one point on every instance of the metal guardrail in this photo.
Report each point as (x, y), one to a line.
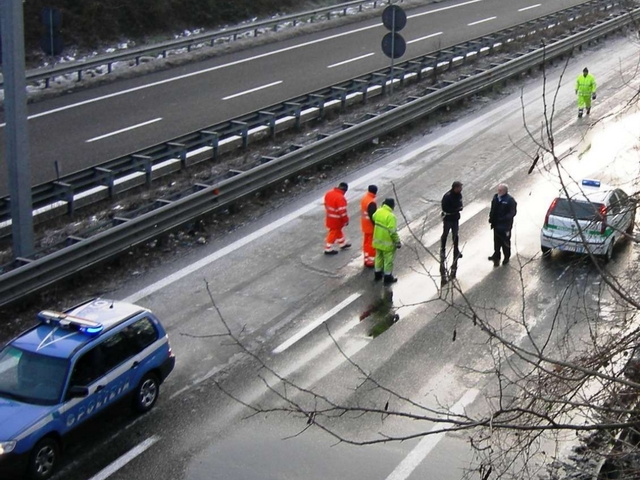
(87, 253)
(161, 49)
(103, 181)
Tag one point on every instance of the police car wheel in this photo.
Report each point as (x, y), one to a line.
(546, 251)
(147, 393)
(609, 254)
(629, 230)
(43, 459)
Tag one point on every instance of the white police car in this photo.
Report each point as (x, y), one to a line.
(68, 368)
(601, 212)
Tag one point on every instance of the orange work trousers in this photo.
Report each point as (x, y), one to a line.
(368, 250)
(335, 235)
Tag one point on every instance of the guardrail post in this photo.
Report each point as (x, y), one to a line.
(182, 148)
(72, 240)
(342, 94)
(47, 82)
(297, 108)
(213, 140)
(363, 86)
(383, 81)
(244, 131)
(417, 68)
(79, 75)
(401, 71)
(107, 178)
(320, 105)
(271, 121)
(145, 161)
(66, 195)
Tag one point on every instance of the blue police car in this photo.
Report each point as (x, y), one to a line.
(70, 367)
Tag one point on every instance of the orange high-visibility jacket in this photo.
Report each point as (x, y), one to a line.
(365, 220)
(335, 205)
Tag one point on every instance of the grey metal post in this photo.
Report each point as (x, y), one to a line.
(393, 47)
(15, 106)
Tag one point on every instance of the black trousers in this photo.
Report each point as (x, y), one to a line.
(449, 225)
(501, 241)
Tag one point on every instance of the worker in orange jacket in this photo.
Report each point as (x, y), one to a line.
(368, 207)
(335, 205)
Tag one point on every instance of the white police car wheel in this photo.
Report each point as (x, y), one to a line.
(629, 230)
(147, 393)
(44, 458)
(609, 255)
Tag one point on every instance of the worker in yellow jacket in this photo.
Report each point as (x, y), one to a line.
(385, 240)
(586, 91)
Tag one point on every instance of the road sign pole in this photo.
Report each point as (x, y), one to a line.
(393, 45)
(15, 106)
(51, 36)
(393, 48)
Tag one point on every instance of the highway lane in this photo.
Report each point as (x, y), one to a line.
(128, 115)
(271, 282)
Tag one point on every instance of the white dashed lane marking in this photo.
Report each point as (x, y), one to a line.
(124, 459)
(143, 124)
(481, 21)
(257, 89)
(351, 60)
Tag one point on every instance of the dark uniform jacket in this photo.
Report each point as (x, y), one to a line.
(451, 205)
(503, 209)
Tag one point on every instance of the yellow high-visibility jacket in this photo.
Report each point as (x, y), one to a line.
(586, 86)
(385, 235)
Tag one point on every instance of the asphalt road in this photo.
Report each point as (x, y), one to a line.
(272, 284)
(89, 127)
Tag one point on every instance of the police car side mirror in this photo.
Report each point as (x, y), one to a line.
(77, 392)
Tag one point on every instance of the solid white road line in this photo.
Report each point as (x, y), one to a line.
(352, 60)
(246, 92)
(481, 21)
(415, 15)
(529, 8)
(124, 459)
(230, 64)
(124, 130)
(316, 323)
(428, 443)
(424, 38)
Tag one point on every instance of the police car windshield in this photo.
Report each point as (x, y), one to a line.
(582, 210)
(30, 377)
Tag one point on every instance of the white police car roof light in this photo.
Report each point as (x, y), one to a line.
(84, 325)
(591, 183)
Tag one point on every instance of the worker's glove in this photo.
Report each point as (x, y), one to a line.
(593, 97)
(398, 245)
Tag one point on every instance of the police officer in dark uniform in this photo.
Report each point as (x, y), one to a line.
(451, 207)
(503, 209)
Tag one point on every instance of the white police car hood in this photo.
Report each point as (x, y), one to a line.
(19, 419)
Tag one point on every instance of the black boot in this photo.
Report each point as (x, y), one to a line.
(388, 279)
(377, 276)
(588, 110)
(580, 113)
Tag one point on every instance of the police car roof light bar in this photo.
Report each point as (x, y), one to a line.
(65, 320)
(590, 183)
